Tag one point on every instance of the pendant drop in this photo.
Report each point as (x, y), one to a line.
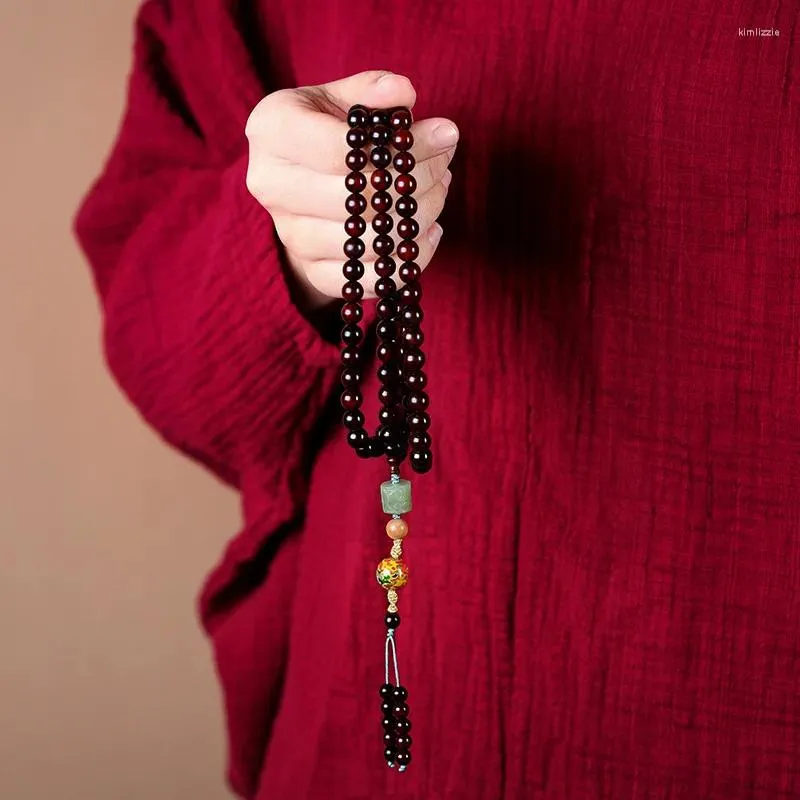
(392, 574)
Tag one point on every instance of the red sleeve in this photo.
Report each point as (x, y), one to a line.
(200, 330)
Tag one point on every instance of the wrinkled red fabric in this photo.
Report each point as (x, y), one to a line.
(604, 600)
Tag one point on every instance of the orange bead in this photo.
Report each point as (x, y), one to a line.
(396, 529)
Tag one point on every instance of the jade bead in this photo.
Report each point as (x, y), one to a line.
(396, 497)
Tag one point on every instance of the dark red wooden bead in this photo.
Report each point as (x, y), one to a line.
(381, 135)
(418, 421)
(357, 438)
(411, 293)
(419, 440)
(411, 315)
(402, 757)
(351, 398)
(380, 157)
(378, 116)
(416, 380)
(405, 184)
(353, 420)
(404, 162)
(381, 201)
(402, 741)
(384, 287)
(352, 334)
(413, 336)
(381, 180)
(355, 204)
(421, 461)
(407, 250)
(354, 248)
(351, 356)
(353, 269)
(416, 401)
(356, 160)
(389, 373)
(352, 291)
(357, 116)
(384, 352)
(383, 245)
(386, 331)
(365, 450)
(386, 308)
(382, 223)
(413, 359)
(355, 182)
(407, 228)
(356, 137)
(400, 118)
(350, 376)
(409, 270)
(385, 266)
(402, 139)
(400, 710)
(351, 312)
(406, 206)
(355, 226)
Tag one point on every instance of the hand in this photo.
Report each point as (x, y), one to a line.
(297, 167)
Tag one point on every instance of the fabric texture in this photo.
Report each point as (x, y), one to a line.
(605, 561)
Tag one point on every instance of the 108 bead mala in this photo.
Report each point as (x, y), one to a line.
(403, 419)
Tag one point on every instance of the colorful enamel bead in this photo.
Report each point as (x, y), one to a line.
(392, 573)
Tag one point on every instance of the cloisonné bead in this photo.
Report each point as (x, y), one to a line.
(392, 573)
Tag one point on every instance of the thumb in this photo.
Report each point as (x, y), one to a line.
(374, 89)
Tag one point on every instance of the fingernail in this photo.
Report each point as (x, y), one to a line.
(446, 178)
(387, 77)
(436, 234)
(445, 135)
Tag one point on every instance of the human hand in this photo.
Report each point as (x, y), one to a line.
(297, 167)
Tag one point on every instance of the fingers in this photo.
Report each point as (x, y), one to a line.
(326, 276)
(315, 117)
(374, 89)
(314, 239)
(295, 190)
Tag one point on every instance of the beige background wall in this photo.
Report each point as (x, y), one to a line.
(106, 684)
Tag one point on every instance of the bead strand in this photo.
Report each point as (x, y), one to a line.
(352, 291)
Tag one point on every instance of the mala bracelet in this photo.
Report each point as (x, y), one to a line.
(402, 431)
